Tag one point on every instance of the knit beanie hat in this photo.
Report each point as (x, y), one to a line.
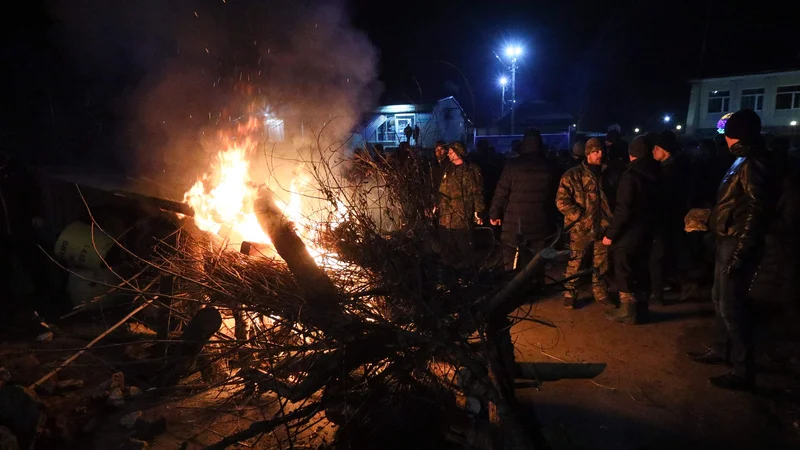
(668, 141)
(593, 145)
(744, 125)
(578, 149)
(641, 147)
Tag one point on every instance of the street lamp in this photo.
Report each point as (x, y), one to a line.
(503, 82)
(793, 123)
(667, 118)
(635, 130)
(512, 52)
(678, 127)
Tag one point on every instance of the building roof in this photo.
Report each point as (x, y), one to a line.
(413, 108)
(748, 75)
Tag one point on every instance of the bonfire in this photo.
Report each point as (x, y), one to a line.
(324, 299)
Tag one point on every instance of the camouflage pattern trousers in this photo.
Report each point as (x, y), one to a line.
(580, 250)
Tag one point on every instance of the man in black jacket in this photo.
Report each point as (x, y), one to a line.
(670, 252)
(739, 221)
(524, 201)
(632, 229)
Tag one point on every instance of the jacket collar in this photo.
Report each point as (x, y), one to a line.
(741, 149)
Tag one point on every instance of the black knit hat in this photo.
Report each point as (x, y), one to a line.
(579, 149)
(641, 147)
(744, 125)
(668, 141)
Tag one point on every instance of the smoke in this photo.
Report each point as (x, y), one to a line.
(183, 72)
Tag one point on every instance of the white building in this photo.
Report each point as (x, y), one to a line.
(775, 96)
(445, 120)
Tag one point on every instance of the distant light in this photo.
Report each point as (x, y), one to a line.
(503, 81)
(513, 51)
(635, 130)
(793, 123)
(678, 127)
(394, 109)
(574, 125)
(667, 119)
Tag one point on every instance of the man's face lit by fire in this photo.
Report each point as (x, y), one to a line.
(659, 154)
(594, 158)
(440, 152)
(454, 158)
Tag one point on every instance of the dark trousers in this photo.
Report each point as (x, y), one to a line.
(669, 259)
(631, 268)
(734, 321)
(660, 263)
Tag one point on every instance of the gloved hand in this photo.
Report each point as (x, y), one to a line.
(735, 266)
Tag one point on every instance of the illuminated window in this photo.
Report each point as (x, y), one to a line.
(788, 97)
(719, 101)
(753, 99)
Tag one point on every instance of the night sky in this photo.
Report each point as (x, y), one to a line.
(605, 62)
(625, 62)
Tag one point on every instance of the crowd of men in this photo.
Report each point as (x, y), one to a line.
(634, 212)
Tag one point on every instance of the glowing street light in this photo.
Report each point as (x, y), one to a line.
(635, 130)
(513, 52)
(793, 123)
(678, 127)
(667, 118)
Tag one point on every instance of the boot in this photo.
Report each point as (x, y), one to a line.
(605, 301)
(627, 309)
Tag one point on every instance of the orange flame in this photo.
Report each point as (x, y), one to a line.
(222, 199)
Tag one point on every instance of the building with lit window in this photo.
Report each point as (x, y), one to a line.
(775, 96)
(444, 120)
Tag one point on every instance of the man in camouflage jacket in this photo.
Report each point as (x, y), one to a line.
(585, 206)
(460, 201)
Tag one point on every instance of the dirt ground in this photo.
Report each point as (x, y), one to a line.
(651, 395)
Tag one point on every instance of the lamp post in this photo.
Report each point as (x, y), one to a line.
(513, 52)
(503, 82)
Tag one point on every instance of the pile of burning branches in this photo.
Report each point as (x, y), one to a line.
(382, 339)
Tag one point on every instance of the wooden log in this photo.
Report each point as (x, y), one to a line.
(558, 371)
(503, 302)
(183, 356)
(323, 303)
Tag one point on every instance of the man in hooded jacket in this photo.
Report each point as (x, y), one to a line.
(523, 202)
(631, 232)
